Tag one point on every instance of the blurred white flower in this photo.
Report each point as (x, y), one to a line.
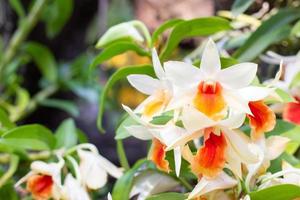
(74, 190)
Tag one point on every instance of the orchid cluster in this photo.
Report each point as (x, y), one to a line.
(207, 107)
(90, 172)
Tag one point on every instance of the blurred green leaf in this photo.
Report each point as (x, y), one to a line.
(65, 105)
(8, 191)
(168, 196)
(296, 29)
(278, 192)
(119, 74)
(163, 27)
(277, 163)
(56, 15)
(18, 7)
(285, 96)
(5, 123)
(82, 137)
(116, 49)
(192, 28)
(43, 58)
(124, 184)
(31, 137)
(272, 30)
(240, 6)
(66, 134)
(281, 127)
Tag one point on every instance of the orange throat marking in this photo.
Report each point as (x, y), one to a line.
(158, 155)
(262, 120)
(209, 99)
(161, 100)
(210, 158)
(40, 186)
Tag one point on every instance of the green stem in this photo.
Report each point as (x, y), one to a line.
(5, 157)
(13, 165)
(186, 184)
(22, 32)
(122, 155)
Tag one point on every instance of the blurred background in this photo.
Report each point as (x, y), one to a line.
(71, 32)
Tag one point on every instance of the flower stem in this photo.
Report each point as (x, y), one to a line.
(13, 165)
(122, 155)
(186, 184)
(22, 32)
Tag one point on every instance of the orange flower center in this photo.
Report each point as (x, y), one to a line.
(40, 186)
(158, 155)
(210, 158)
(262, 119)
(209, 99)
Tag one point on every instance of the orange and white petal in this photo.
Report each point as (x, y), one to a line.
(40, 186)
(275, 145)
(291, 112)
(205, 185)
(159, 72)
(210, 61)
(237, 76)
(143, 83)
(209, 99)
(262, 120)
(158, 155)
(210, 158)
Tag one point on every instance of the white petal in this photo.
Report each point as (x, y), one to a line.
(234, 120)
(234, 161)
(275, 146)
(159, 72)
(24, 178)
(134, 116)
(73, 190)
(143, 83)
(110, 167)
(193, 120)
(181, 74)
(236, 102)
(168, 134)
(210, 62)
(140, 132)
(290, 178)
(89, 169)
(177, 159)
(109, 197)
(223, 181)
(254, 93)
(240, 144)
(185, 139)
(237, 76)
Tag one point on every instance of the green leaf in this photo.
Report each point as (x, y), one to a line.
(5, 123)
(68, 106)
(31, 137)
(285, 97)
(66, 134)
(281, 127)
(163, 27)
(296, 29)
(296, 81)
(162, 119)
(192, 28)
(168, 196)
(278, 192)
(124, 184)
(272, 30)
(116, 49)
(18, 8)
(240, 6)
(44, 59)
(56, 15)
(121, 132)
(119, 74)
(82, 138)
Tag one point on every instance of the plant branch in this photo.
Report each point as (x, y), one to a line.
(13, 165)
(122, 155)
(22, 32)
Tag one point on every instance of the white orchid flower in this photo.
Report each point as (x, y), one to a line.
(267, 149)
(92, 165)
(161, 136)
(205, 185)
(160, 90)
(74, 190)
(212, 89)
(44, 179)
(150, 182)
